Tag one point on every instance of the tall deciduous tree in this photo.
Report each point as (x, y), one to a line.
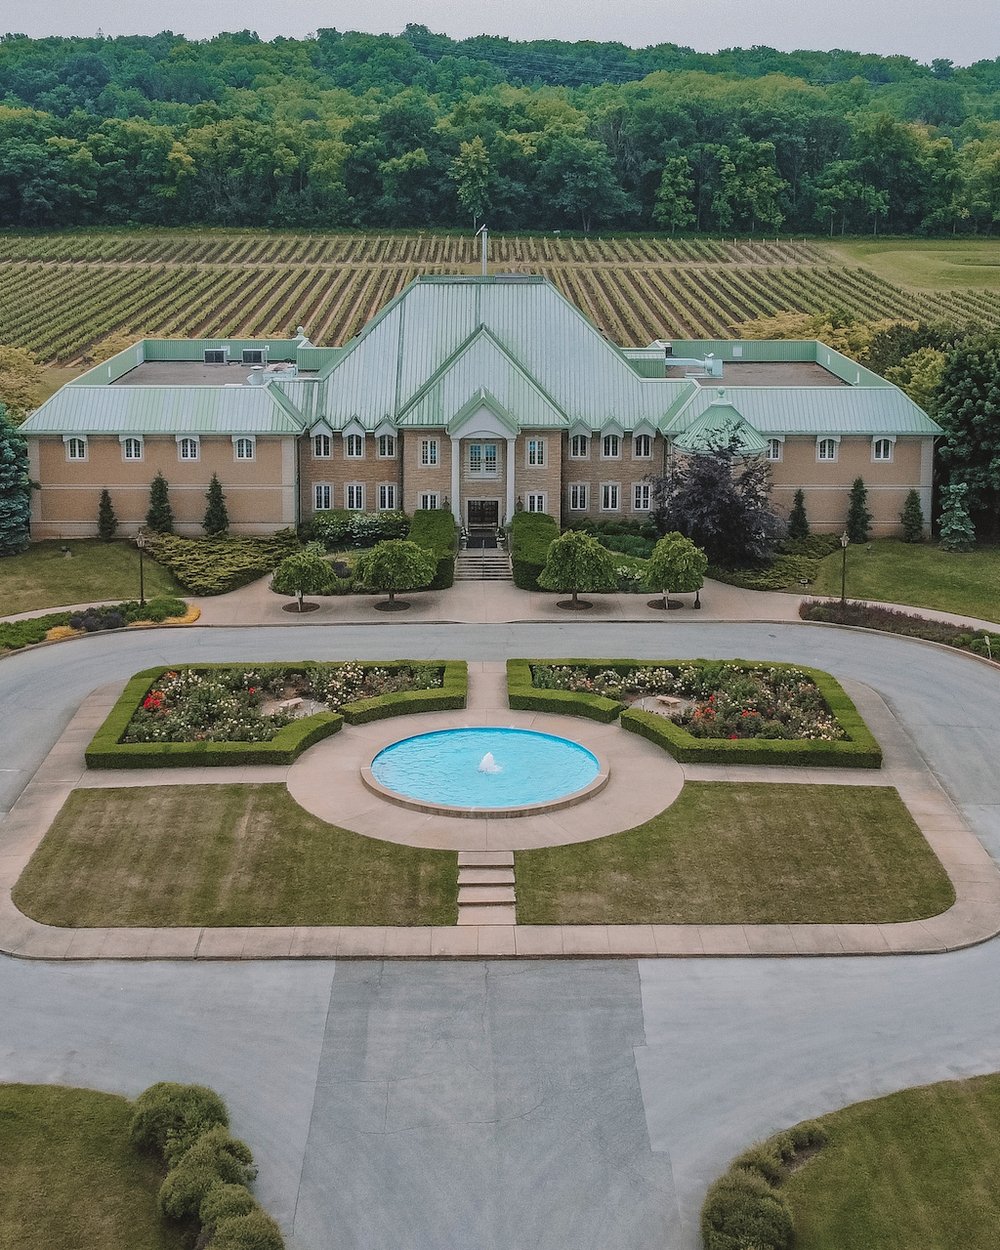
(577, 562)
(396, 565)
(303, 573)
(160, 517)
(470, 172)
(676, 564)
(969, 412)
(20, 382)
(15, 489)
(672, 207)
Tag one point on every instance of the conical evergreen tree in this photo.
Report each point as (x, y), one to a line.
(216, 521)
(107, 522)
(159, 518)
(798, 524)
(912, 518)
(15, 489)
(956, 528)
(859, 519)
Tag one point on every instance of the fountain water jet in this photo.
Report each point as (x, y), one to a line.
(488, 764)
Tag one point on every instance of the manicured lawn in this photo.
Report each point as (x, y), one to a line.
(70, 1180)
(42, 577)
(914, 1171)
(930, 264)
(920, 574)
(225, 855)
(734, 853)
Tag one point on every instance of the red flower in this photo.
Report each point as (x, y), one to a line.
(734, 736)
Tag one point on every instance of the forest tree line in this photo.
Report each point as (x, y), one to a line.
(356, 130)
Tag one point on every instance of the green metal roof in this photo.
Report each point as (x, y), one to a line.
(718, 425)
(162, 410)
(815, 410)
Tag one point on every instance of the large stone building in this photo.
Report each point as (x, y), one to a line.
(482, 395)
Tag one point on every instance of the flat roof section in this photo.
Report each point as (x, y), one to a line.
(763, 373)
(184, 373)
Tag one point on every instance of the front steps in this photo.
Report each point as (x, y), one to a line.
(478, 564)
(486, 887)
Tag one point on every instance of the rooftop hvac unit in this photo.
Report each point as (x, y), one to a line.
(216, 355)
(255, 355)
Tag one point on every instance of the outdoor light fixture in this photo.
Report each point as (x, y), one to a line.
(140, 542)
(844, 540)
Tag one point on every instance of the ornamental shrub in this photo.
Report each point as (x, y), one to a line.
(214, 1156)
(912, 518)
(168, 1117)
(955, 525)
(396, 565)
(213, 566)
(742, 1211)
(304, 572)
(859, 519)
(216, 520)
(798, 524)
(223, 1201)
(340, 528)
(531, 535)
(253, 1231)
(107, 522)
(435, 530)
(160, 517)
(577, 562)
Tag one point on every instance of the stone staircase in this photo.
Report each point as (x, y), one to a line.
(478, 564)
(486, 887)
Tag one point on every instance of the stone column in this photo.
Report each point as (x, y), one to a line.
(456, 479)
(509, 471)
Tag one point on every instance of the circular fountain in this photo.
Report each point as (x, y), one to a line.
(485, 771)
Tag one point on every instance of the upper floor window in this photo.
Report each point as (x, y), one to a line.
(773, 449)
(611, 447)
(826, 449)
(536, 452)
(187, 448)
(482, 458)
(386, 446)
(76, 449)
(428, 451)
(321, 447)
(244, 448)
(132, 449)
(579, 446)
(882, 449)
(354, 446)
(642, 447)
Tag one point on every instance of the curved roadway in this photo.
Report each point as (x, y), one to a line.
(502, 1106)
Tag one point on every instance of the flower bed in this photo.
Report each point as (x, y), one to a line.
(909, 624)
(719, 711)
(227, 714)
(58, 625)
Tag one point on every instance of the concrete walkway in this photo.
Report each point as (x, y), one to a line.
(326, 780)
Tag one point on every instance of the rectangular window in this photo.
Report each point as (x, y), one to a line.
(579, 447)
(483, 459)
(882, 449)
(578, 497)
(774, 449)
(216, 355)
(536, 453)
(826, 449)
(611, 447)
(428, 451)
(354, 447)
(187, 449)
(641, 497)
(387, 496)
(386, 446)
(244, 448)
(536, 503)
(429, 501)
(642, 447)
(322, 497)
(253, 355)
(354, 497)
(76, 449)
(609, 496)
(132, 449)
(321, 447)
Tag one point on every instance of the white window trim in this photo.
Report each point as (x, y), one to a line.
(250, 441)
(483, 471)
(322, 455)
(884, 438)
(385, 455)
(125, 439)
(348, 488)
(648, 487)
(604, 453)
(318, 486)
(536, 494)
(69, 440)
(541, 445)
(635, 441)
(578, 486)
(188, 438)
(828, 438)
(430, 453)
(430, 494)
(780, 444)
(386, 486)
(618, 496)
(349, 442)
(586, 447)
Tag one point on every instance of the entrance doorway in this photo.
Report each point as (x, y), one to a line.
(484, 517)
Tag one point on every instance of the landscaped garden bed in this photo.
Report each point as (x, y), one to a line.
(707, 711)
(225, 855)
(740, 853)
(57, 626)
(214, 566)
(222, 714)
(890, 621)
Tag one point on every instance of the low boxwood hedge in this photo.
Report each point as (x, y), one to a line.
(859, 750)
(531, 534)
(106, 750)
(435, 530)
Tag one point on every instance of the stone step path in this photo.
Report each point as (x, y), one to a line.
(482, 565)
(486, 888)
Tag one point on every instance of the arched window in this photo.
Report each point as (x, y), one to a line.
(642, 447)
(882, 449)
(826, 449)
(321, 447)
(76, 449)
(244, 448)
(354, 446)
(611, 447)
(774, 449)
(132, 449)
(187, 449)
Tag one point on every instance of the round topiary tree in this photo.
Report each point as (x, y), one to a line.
(912, 518)
(303, 573)
(577, 562)
(167, 1118)
(676, 564)
(15, 489)
(160, 517)
(955, 525)
(107, 522)
(393, 566)
(798, 523)
(216, 521)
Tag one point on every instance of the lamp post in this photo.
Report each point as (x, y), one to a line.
(140, 542)
(844, 540)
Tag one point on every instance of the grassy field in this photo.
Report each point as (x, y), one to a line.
(927, 264)
(225, 855)
(727, 853)
(918, 574)
(914, 1171)
(42, 577)
(70, 1180)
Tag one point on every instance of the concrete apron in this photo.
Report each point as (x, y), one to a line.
(973, 918)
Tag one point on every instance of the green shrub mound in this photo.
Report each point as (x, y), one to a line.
(531, 535)
(435, 530)
(254, 1230)
(168, 1117)
(213, 566)
(745, 1209)
(224, 1200)
(17, 634)
(214, 1156)
(340, 528)
(797, 561)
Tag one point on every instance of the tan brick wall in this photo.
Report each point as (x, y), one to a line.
(339, 469)
(418, 478)
(259, 492)
(546, 478)
(627, 470)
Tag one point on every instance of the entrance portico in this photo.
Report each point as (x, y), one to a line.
(483, 438)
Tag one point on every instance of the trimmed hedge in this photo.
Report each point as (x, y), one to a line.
(531, 534)
(435, 530)
(450, 696)
(860, 750)
(106, 750)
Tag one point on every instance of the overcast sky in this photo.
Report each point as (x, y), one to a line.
(963, 30)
